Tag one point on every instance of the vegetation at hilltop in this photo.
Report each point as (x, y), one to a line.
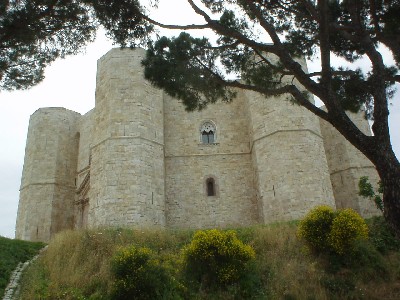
(12, 252)
(90, 264)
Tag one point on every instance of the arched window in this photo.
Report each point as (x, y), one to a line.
(207, 131)
(210, 185)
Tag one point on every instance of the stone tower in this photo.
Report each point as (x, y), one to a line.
(347, 165)
(127, 149)
(47, 186)
(288, 156)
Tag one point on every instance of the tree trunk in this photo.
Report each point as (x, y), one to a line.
(388, 168)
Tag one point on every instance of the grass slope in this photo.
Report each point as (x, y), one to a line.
(77, 264)
(11, 253)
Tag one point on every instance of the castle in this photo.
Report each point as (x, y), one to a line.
(138, 159)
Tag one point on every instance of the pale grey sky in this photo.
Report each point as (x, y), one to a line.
(70, 83)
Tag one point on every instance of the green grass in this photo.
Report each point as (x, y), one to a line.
(11, 253)
(283, 267)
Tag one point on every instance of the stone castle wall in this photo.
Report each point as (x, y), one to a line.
(189, 163)
(287, 150)
(138, 159)
(347, 165)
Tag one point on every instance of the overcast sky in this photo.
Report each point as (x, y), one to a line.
(69, 83)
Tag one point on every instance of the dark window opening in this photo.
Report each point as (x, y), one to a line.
(207, 137)
(210, 187)
(208, 133)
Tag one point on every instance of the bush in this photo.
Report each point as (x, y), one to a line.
(382, 236)
(137, 275)
(327, 231)
(347, 227)
(215, 256)
(315, 228)
(366, 190)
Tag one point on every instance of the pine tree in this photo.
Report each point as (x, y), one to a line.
(34, 33)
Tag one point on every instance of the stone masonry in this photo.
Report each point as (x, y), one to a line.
(138, 159)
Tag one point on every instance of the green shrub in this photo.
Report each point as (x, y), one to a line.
(138, 275)
(215, 256)
(316, 226)
(382, 236)
(347, 227)
(339, 286)
(366, 190)
(327, 231)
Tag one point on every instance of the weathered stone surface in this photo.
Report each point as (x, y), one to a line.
(48, 179)
(138, 159)
(347, 165)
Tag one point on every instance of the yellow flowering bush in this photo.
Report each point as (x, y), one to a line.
(347, 227)
(137, 274)
(325, 230)
(216, 256)
(316, 226)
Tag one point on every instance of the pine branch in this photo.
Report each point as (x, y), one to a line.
(179, 27)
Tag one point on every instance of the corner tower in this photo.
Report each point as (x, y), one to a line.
(291, 171)
(347, 165)
(127, 151)
(47, 190)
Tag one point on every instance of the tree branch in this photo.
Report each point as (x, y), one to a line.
(225, 31)
(374, 16)
(342, 73)
(226, 46)
(325, 46)
(282, 53)
(181, 27)
(200, 12)
(287, 89)
(311, 9)
(381, 111)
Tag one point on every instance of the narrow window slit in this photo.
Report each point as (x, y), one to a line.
(210, 183)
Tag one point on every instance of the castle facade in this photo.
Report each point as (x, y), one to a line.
(138, 159)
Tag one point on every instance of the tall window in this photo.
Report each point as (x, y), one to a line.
(210, 184)
(207, 133)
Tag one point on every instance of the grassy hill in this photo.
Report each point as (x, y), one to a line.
(11, 253)
(77, 265)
